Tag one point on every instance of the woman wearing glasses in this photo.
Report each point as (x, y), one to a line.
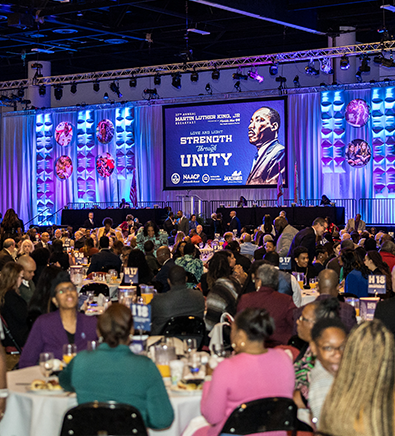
(64, 326)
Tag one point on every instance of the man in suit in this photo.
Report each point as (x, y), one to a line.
(44, 242)
(286, 232)
(163, 256)
(27, 287)
(8, 252)
(105, 259)
(169, 223)
(179, 301)
(355, 224)
(192, 222)
(308, 237)
(269, 158)
(199, 231)
(279, 306)
(328, 287)
(234, 223)
(89, 223)
(183, 223)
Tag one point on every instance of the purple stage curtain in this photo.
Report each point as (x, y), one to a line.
(18, 165)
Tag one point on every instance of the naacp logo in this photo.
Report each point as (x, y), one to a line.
(175, 178)
(206, 178)
(235, 177)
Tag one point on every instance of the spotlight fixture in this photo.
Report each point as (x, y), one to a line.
(239, 76)
(176, 80)
(388, 62)
(194, 76)
(215, 74)
(311, 70)
(358, 76)
(58, 92)
(237, 86)
(105, 96)
(282, 81)
(273, 69)
(96, 86)
(42, 90)
(326, 65)
(378, 59)
(296, 82)
(150, 91)
(132, 82)
(254, 75)
(21, 92)
(364, 67)
(115, 89)
(157, 79)
(209, 89)
(344, 63)
(73, 88)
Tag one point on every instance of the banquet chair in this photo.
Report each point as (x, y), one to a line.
(97, 288)
(102, 419)
(185, 327)
(261, 416)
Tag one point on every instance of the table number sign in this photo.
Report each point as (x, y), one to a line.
(285, 263)
(141, 317)
(367, 307)
(131, 275)
(377, 284)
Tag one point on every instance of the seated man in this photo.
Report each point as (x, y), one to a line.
(228, 236)
(164, 258)
(27, 287)
(279, 306)
(195, 238)
(179, 301)
(247, 247)
(199, 231)
(105, 259)
(152, 261)
(301, 264)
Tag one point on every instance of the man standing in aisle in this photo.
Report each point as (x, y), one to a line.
(183, 223)
(234, 223)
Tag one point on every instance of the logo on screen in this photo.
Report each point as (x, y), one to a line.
(206, 178)
(175, 178)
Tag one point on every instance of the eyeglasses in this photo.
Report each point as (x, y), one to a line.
(302, 318)
(68, 289)
(331, 350)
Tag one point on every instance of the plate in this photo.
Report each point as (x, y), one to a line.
(177, 390)
(47, 392)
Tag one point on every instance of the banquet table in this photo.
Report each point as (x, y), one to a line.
(308, 296)
(30, 414)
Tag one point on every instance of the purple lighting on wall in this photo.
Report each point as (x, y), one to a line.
(254, 75)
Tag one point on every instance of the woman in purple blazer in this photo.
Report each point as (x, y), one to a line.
(64, 326)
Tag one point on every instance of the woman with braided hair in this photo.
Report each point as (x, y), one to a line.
(361, 400)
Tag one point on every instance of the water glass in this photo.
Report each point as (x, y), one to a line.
(190, 346)
(194, 363)
(92, 345)
(219, 350)
(46, 364)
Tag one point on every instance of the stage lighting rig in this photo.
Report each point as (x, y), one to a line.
(215, 74)
(209, 89)
(282, 81)
(21, 92)
(96, 86)
(344, 63)
(149, 94)
(358, 76)
(176, 80)
(132, 81)
(115, 89)
(364, 67)
(194, 76)
(42, 90)
(326, 65)
(296, 82)
(73, 88)
(254, 75)
(105, 96)
(239, 76)
(58, 92)
(237, 86)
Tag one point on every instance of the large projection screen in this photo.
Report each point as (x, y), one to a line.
(226, 144)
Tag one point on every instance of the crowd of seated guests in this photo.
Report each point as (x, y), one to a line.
(39, 304)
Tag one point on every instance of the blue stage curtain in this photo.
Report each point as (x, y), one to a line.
(18, 165)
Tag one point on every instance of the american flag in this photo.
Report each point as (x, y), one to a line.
(133, 190)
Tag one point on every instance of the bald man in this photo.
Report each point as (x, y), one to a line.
(27, 287)
(44, 242)
(247, 248)
(163, 256)
(328, 287)
(7, 254)
(269, 158)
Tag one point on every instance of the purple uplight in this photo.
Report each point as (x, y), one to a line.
(254, 75)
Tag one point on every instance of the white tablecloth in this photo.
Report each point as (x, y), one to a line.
(29, 414)
(308, 296)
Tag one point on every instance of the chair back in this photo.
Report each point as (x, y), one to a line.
(109, 418)
(97, 288)
(185, 327)
(261, 416)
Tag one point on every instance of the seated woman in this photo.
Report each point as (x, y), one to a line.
(254, 372)
(191, 265)
(64, 326)
(328, 339)
(58, 256)
(361, 400)
(117, 374)
(355, 274)
(136, 259)
(375, 264)
(151, 232)
(13, 307)
(89, 248)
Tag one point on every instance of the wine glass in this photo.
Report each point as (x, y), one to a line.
(46, 364)
(69, 351)
(194, 363)
(190, 346)
(219, 351)
(90, 299)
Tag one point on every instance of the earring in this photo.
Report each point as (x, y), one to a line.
(242, 344)
(233, 345)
